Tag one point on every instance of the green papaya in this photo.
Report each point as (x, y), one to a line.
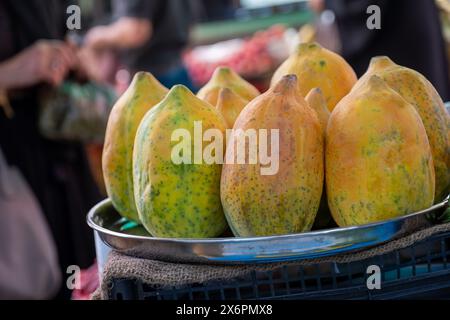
(143, 93)
(178, 198)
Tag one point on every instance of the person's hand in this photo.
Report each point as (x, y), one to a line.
(97, 38)
(317, 5)
(45, 61)
(49, 61)
(125, 33)
(96, 65)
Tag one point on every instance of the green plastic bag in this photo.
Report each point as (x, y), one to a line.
(76, 112)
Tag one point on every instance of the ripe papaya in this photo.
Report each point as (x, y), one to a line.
(317, 67)
(230, 106)
(316, 101)
(143, 93)
(224, 77)
(378, 159)
(177, 198)
(419, 92)
(285, 201)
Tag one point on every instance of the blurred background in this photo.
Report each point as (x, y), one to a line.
(57, 87)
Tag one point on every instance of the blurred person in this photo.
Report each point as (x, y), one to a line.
(151, 36)
(28, 259)
(33, 58)
(98, 65)
(219, 9)
(410, 34)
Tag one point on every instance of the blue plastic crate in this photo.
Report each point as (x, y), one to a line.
(419, 271)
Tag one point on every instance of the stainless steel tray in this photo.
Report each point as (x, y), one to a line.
(135, 241)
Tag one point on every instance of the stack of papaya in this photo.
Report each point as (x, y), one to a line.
(352, 151)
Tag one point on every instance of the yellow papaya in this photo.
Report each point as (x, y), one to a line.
(378, 159)
(419, 92)
(316, 101)
(317, 67)
(230, 106)
(286, 200)
(224, 77)
(175, 195)
(143, 93)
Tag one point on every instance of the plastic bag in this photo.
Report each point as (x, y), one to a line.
(76, 112)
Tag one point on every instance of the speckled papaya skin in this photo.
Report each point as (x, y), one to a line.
(143, 93)
(419, 92)
(317, 67)
(378, 159)
(177, 200)
(224, 77)
(287, 202)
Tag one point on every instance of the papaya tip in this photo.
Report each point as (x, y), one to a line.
(178, 89)
(381, 61)
(287, 82)
(142, 75)
(222, 71)
(316, 91)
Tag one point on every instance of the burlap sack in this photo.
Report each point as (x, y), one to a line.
(164, 274)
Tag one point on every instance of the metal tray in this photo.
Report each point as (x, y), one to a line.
(135, 241)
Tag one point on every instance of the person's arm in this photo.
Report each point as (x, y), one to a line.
(133, 26)
(125, 33)
(45, 61)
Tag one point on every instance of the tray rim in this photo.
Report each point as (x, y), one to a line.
(219, 240)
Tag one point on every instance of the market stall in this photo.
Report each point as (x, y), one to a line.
(341, 189)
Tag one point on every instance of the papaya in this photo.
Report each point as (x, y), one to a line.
(317, 67)
(224, 77)
(378, 159)
(143, 93)
(316, 101)
(230, 106)
(419, 92)
(178, 198)
(286, 200)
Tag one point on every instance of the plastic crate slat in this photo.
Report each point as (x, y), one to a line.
(286, 279)
(302, 278)
(318, 277)
(443, 252)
